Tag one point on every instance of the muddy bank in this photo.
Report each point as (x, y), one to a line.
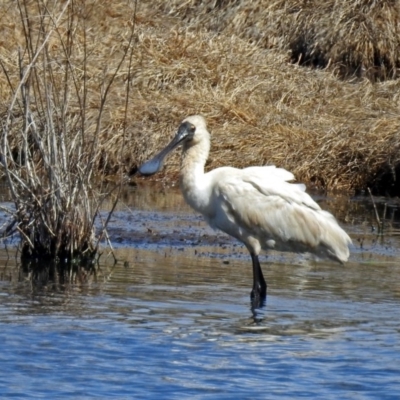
(161, 229)
(157, 218)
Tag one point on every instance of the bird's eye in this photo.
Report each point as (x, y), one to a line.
(192, 128)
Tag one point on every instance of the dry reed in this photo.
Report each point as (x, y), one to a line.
(196, 57)
(51, 127)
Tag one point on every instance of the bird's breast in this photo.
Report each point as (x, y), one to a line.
(197, 195)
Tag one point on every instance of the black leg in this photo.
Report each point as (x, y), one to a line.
(259, 292)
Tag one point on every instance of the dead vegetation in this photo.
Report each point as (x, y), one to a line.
(232, 61)
(50, 132)
(352, 38)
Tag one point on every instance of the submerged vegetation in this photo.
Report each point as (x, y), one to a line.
(69, 70)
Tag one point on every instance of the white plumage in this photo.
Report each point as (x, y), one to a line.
(256, 205)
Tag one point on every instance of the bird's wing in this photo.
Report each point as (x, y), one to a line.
(271, 181)
(273, 212)
(279, 215)
(269, 171)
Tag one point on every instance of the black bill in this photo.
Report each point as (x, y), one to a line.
(155, 164)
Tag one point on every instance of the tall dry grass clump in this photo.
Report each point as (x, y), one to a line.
(354, 38)
(261, 109)
(51, 125)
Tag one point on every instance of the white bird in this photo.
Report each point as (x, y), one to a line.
(256, 205)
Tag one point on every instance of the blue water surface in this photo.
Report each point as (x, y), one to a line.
(187, 340)
(175, 322)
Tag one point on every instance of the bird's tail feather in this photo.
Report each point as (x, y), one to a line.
(334, 239)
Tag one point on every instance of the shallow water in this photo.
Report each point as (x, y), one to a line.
(174, 321)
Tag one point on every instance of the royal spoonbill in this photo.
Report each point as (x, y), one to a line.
(256, 205)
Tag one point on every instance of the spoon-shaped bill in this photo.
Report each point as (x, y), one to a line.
(152, 166)
(155, 164)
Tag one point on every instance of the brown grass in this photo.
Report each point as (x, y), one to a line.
(261, 108)
(359, 38)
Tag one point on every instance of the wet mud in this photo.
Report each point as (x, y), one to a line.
(155, 219)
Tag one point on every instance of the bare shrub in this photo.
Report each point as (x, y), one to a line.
(50, 132)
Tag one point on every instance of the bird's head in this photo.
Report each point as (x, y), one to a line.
(191, 131)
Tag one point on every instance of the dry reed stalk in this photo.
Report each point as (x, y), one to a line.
(50, 145)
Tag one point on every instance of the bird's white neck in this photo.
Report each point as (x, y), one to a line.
(192, 177)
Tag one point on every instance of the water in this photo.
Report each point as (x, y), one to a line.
(175, 322)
